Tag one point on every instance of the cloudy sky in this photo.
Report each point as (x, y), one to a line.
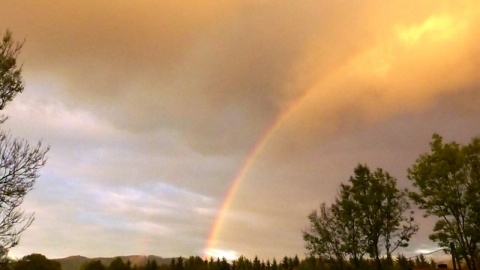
(154, 110)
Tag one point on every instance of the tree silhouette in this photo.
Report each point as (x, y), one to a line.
(19, 161)
(447, 182)
(368, 217)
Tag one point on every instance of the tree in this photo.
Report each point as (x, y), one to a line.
(195, 263)
(224, 264)
(368, 216)
(93, 265)
(118, 264)
(179, 265)
(242, 263)
(274, 264)
(295, 262)
(285, 263)
(323, 238)
(447, 182)
(380, 208)
(19, 161)
(403, 263)
(36, 262)
(349, 228)
(256, 264)
(11, 82)
(420, 261)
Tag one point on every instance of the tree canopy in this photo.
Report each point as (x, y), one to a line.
(369, 216)
(36, 262)
(447, 185)
(11, 82)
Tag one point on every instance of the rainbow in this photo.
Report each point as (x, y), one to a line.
(244, 168)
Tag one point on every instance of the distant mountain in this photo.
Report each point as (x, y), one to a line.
(75, 262)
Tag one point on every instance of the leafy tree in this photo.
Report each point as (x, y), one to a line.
(36, 262)
(11, 82)
(381, 208)
(447, 182)
(324, 237)
(19, 161)
(368, 216)
(349, 229)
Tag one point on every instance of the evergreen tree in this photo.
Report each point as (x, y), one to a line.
(242, 263)
(285, 264)
(151, 265)
(256, 264)
(420, 261)
(224, 264)
(179, 264)
(402, 262)
(296, 262)
(274, 264)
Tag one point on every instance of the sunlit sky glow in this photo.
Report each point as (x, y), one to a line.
(160, 114)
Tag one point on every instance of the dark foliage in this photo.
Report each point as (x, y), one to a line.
(447, 185)
(36, 262)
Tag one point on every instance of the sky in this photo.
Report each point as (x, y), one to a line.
(182, 128)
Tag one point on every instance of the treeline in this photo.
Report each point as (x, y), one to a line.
(371, 218)
(40, 262)
(242, 263)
